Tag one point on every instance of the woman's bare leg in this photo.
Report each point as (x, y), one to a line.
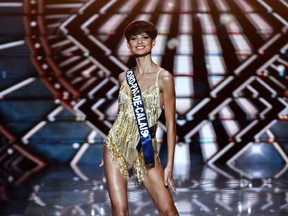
(117, 186)
(155, 186)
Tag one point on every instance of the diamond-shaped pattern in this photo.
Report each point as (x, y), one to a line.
(229, 59)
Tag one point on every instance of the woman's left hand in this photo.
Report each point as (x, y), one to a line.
(168, 179)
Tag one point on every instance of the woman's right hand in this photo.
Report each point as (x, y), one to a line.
(101, 163)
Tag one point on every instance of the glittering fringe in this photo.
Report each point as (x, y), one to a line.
(119, 162)
(139, 168)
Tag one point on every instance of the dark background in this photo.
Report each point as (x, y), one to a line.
(59, 62)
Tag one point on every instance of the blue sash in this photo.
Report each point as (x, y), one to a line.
(141, 119)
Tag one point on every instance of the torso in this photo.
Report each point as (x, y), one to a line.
(123, 137)
(145, 81)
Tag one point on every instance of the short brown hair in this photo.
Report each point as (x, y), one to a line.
(140, 26)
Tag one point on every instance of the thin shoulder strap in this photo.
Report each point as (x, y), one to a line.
(157, 78)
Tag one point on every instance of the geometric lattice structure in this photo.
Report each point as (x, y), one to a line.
(229, 60)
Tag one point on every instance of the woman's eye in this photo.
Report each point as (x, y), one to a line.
(144, 37)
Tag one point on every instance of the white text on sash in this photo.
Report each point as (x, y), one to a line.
(137, 102)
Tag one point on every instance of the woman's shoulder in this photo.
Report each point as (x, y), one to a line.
(165, 76)
(165, 80)
(121, 77)
(122, 74)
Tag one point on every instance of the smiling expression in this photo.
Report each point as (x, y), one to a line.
(141, 44)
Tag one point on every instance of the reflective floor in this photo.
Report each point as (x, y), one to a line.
(202, 190)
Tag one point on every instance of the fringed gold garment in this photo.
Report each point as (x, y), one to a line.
(123, 137)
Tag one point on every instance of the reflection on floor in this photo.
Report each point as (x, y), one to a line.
(202, 190)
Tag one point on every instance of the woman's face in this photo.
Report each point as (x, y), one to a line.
(140, 45)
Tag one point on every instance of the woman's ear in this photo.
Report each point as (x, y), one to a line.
(127, 44)
(153, 42)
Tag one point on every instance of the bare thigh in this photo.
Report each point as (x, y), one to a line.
(116, 184)
(161, 196)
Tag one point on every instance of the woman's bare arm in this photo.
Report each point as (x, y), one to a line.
(166, 84)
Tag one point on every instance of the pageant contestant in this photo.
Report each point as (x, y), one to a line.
(145, 90)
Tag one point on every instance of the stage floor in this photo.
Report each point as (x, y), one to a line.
(202, 190)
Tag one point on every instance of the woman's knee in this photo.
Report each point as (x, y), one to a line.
(120, 210)
(169, 210)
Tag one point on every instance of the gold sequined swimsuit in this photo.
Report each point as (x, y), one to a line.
(123, 137)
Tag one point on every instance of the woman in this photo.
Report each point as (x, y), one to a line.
(127, 140)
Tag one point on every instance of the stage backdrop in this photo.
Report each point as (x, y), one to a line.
(59, 62)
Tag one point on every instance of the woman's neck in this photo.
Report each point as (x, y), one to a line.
(145, 65)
